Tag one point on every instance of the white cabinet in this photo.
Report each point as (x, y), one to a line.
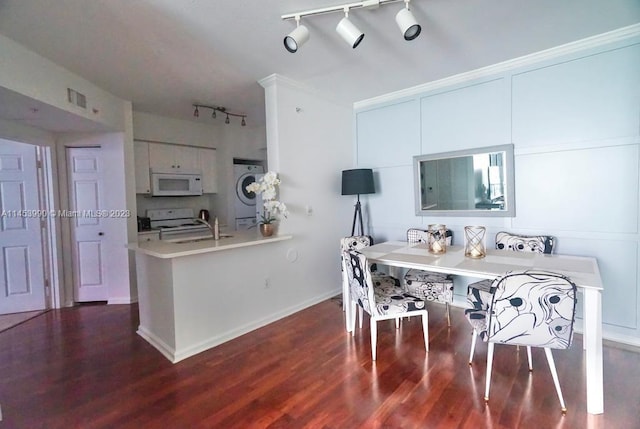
(170, 157)
(141, 162)
(207, 164)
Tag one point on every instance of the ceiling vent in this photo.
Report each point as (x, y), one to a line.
(74, 97)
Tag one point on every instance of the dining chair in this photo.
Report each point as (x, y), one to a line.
(527, 308)
(382, 302)
(430, 286)
(481, 291)
(358, 242)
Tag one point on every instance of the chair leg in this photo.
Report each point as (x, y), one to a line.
(489, 365)
(529, 358)
(352, 318)
(474, 337)
(554, 374)
(397, 323)
(374, 337)
(425, 329)
(361, 314)
(448, 315)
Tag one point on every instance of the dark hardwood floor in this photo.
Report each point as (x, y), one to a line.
(85, 367)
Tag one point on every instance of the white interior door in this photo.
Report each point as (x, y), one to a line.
(22, 285)
(89, 224)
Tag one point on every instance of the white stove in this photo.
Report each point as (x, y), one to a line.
(174, 223)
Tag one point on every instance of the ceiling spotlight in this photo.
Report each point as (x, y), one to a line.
(196, 113)
(243, 123)
(226, 121)
(297, 37)
(407, 22)
(348, 31)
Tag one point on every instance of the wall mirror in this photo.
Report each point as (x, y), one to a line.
(473, 182)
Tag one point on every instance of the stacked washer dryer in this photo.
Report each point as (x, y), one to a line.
(245, 202)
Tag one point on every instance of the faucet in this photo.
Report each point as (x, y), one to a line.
(202, 221)
(211, 228)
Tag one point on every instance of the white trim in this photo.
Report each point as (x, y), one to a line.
(617, 35)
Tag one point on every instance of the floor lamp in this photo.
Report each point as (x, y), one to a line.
(355, 182)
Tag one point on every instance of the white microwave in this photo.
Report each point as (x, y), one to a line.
(175, 183)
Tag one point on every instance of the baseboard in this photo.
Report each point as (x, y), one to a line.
(123, 300)
(156, 342)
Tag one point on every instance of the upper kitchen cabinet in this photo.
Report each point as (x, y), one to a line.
(141, 160)
(170, 157)
(207, 164)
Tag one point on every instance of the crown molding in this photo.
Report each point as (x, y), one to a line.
(596, 41)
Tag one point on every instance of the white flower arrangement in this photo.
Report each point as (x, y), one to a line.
(267, 186)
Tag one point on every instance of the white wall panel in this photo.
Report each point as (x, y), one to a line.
(617, 261)
(594, 97)
(388, 136)
(393, 202)
(579, 190)
(472, 116)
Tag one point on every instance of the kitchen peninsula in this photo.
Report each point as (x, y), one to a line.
(196, 294)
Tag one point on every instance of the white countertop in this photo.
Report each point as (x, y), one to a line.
(234, 240)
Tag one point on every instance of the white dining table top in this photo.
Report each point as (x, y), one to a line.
(582, 270)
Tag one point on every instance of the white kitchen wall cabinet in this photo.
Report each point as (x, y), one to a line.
(141, 160)
(171, 157)
(207, 164)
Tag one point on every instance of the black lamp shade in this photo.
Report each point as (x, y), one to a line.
(357, 181)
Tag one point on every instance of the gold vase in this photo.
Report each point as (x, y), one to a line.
(267, 229)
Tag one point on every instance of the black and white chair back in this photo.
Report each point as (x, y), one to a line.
(430, 286)
(532, 309)
(479, 293)
(525, 243)
(359, 242)
(381, 302)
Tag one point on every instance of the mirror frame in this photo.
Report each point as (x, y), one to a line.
(510, 200)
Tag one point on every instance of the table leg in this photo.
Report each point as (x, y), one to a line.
(593, 340)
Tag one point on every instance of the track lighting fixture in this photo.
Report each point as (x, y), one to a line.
(297, 37)
(346, 29)
(220, 109)
(407, 22)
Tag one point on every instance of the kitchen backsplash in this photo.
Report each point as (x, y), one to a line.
(145, 203)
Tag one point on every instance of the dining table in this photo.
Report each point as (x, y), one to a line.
(582, 270)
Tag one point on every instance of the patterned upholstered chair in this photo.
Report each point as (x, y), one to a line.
(532, 309)
(381, 302)
(359, 242)
(430, 286)
(479, 293)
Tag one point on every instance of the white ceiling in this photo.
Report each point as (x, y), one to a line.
(164, 55)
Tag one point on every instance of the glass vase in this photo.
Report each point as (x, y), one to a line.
(474, 241)
(437, 234)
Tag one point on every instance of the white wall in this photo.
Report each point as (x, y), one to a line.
(573, 115)
(309, 142)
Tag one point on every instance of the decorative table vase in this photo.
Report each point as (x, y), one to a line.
(267, 229)
(437, 234)
(474, 241)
